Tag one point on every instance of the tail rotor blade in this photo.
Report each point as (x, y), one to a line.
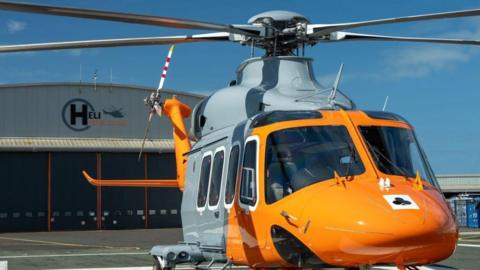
(147, 130)
(165, 68)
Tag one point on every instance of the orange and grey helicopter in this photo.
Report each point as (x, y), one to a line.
(276, 157)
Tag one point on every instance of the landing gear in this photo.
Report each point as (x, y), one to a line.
(362, 267)
(159, 263)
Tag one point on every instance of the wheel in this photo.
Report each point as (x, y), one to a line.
(160, 264)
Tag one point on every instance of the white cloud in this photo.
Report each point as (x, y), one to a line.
(327, 79)
(16, 54)
(422, 61)
(15, 26)
(24, 74)
(75, 52)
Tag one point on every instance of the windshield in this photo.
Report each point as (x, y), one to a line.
(298, 157)
(396, 151)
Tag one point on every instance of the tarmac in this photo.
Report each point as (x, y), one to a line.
(128, 249)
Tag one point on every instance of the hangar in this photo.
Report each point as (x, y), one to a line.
(454, 184)
(50, 132)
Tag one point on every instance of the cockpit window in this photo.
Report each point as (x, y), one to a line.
(396, 152)
(301, 156)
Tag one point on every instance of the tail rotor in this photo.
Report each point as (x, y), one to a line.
(153, 100)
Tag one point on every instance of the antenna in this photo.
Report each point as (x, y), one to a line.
(80, 73)
(335, 84)
(385, 104)
(95, 80)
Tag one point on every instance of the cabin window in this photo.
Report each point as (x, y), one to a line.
(216, 179)
(232, 174)
(204, 176)
(302, 156)
(248, 185)
(397, 152)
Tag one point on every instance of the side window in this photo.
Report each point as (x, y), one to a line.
(216, 179)
(248, 184)
(204, 176)
(232, 174)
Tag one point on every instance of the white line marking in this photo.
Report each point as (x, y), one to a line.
(146, 268)
(114, 268)
(60, 243)
(73, 255)
(468, 245)
(3, 265)
(439, 267)
(241, 267)
(470, 240)
(469, 233)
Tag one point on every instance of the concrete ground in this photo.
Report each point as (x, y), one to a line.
(129, 248)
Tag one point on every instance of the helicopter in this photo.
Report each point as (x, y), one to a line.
(276, 158)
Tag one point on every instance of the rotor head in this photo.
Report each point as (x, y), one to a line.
(284, 31)
(289, 18)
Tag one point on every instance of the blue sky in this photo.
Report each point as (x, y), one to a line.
(436, 87)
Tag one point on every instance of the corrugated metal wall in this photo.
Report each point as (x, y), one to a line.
(24, 191)
(125, 205)
(109, 111)
(168, 212)
(73, 199)
(38, 187)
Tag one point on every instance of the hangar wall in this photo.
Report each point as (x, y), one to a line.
(49, 133)
(72, 110)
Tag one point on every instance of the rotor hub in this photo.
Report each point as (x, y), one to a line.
(285, 31)
(288, 18)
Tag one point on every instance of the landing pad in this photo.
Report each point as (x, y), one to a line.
(128, 249)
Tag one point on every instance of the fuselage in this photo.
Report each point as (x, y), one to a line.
(312, 188)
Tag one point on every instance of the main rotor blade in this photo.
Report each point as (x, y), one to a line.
(124, 17)
(220, 36)
(317, 30)
(339, 36)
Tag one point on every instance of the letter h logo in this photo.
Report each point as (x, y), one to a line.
(74, 114)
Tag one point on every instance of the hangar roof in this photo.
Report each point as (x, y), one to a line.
(112, 85)
(83, 145)
(459, 182)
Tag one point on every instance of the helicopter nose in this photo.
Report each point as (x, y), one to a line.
(370, 226)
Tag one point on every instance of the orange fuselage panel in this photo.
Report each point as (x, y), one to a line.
(348, 222)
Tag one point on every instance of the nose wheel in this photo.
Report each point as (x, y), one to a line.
(160, 263)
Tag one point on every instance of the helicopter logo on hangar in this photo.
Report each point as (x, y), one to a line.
(79, 115)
